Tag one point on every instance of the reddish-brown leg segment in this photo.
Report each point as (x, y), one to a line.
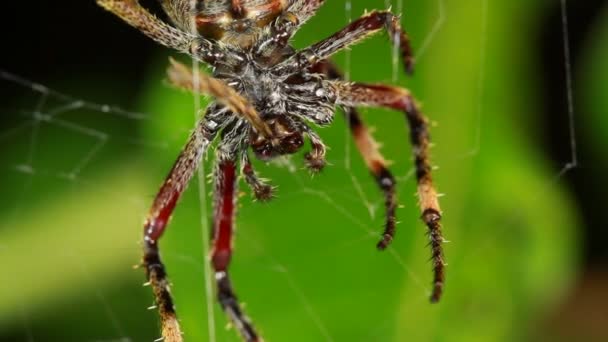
(223, 226)
(157, 220)
(374, 160)
(353, 33)
(350, 94)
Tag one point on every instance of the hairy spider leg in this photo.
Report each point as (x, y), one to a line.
(223, 228)
(225, 194)
(368, 148)
(135, 15)
(157, 220)
(353, 33)
(305, 9)
(356, 94)
(131, 12)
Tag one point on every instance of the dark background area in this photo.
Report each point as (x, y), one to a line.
(590, 196)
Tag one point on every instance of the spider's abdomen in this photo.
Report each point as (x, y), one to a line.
(236, 22)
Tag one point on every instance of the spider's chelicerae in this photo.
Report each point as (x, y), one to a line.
(266, 96)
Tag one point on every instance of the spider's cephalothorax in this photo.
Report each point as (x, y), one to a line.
(255, 36)
(267, 95)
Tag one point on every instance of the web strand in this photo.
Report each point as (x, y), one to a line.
(202, 194)
(441, 17)
(568, 70)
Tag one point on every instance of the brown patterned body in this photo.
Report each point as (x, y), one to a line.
(236, 22)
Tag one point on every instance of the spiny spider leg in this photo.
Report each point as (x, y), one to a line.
(374, 160)
(183, 77)
(157, 220)
(353, 33)
(354, 94)
(180, 13)
(305, 9)
(131, 12)
(315, 159)
(261, 190)
(284, 27)
(135, 15)
(223, 229)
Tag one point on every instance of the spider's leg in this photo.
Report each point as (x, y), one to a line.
(354, 33)
(180, 13)
(183, 77)
(315, 159)
(135, 15)
(304, 9)
(223, 229)
(157, 220)
(261, 190)
(354, 94)
(374, 160)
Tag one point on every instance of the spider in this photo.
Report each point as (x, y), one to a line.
(266, 96)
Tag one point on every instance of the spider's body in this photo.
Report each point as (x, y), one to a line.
(267, 95)
(249, 62)
(284, 102)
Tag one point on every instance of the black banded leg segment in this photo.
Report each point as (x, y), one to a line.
(223, 230)
(157, 278)
(376, 163)
(157, 220)
(350, 94)
(368, 148)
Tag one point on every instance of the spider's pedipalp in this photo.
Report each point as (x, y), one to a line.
(305, 9)
(261, 190)
(315, 159)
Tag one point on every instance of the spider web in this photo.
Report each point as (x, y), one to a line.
(94, 161)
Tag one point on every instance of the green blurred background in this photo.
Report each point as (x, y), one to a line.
(527, 258)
